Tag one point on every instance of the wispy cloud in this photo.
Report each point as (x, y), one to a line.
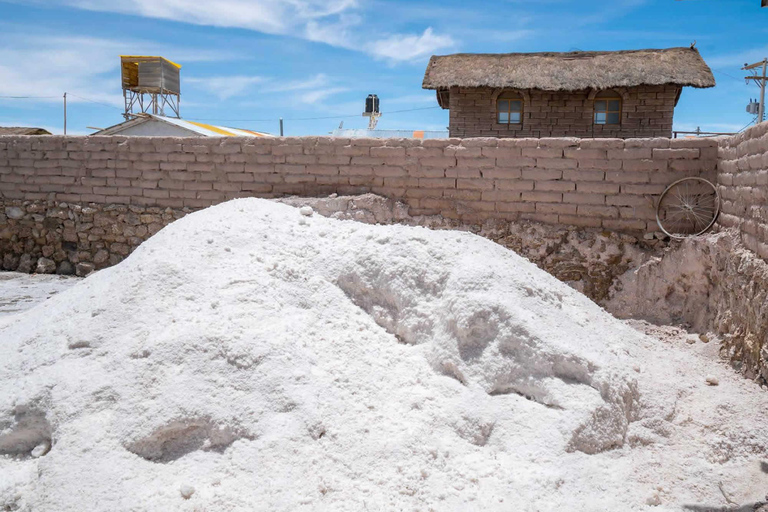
(338, 23)
(85, 67)
(406, 47)
(738, 59)
(318, 80)
(225, 87)
(317, 96)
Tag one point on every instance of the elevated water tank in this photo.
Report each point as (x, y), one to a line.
(150, 74)
(372, 104)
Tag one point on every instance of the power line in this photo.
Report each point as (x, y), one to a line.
(747, 125)
(305, 118)
(27, 97)
(94, 101)
(726, 74)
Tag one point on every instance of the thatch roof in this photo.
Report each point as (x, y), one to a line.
(570, 71)
(20, 130)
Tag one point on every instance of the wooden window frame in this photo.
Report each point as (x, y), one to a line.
(607, 99)
(509, 110)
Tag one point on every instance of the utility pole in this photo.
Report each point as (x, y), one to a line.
(65, 113)
(760, 81)
(281, 126)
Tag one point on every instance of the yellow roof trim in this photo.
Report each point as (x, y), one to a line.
(212, 128)
(150, 57)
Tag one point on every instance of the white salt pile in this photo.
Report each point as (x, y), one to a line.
(253, 356)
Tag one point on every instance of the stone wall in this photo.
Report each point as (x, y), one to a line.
(743, 184)
(709, 284)
(68, 238)
(646, 112)
(608, 183)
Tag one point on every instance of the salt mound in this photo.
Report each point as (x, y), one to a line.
(252, 356)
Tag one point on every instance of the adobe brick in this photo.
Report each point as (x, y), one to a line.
(503, 206)
(461, 172)
(601, 143)
(631, 166)
(555, 186)
(630, 154)
(581, 221)
(628, 177)
(590, 210)
(688, 153)
(389, 171)
(516, 162)
(478, 184)
(542, 152)
(657, 142)
(541, 174)
(652, 189)
(597, 188)
(565, 209)
(583, 198)
(585, 154)
(546, 197)
(437, 182)
(626, 200)
(626, 225)
(583, 175)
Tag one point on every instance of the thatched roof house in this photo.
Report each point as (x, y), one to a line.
(625, 74)
(21, 130)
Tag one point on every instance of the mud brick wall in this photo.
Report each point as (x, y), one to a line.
(609, 183)
(647, 111)
(743, 184)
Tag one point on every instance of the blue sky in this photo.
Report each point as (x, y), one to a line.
(248, 62)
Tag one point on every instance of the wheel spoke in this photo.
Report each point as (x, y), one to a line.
(688, 206)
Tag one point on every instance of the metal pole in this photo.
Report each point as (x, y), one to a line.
(65, 113)
(281, 126)
(761, 114)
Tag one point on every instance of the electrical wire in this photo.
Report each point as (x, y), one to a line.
(305, 118)
(726, 74)
(748, 125)
(94, 101)
(27, 97)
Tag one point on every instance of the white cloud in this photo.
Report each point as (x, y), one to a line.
(317, 96)
(225, 87)
(738, 59)
(406, 47)
(53, 65)
(270, 16)
(314, 82)
(87, 68)
(333, 22)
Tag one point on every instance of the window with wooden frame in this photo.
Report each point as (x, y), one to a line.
(608, 108)
(509, 108)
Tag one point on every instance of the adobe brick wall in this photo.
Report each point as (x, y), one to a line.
(647, 111)
(743, 184)
(607, 183)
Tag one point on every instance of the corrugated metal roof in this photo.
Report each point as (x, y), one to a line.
(145, 57)
(206, 130)
(209, 129)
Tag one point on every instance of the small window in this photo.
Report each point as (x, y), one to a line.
(509, 109)
(607, 108)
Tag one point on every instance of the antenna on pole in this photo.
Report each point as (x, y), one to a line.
(372, 111)
(760, 80)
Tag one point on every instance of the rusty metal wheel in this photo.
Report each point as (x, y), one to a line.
(688, 207)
